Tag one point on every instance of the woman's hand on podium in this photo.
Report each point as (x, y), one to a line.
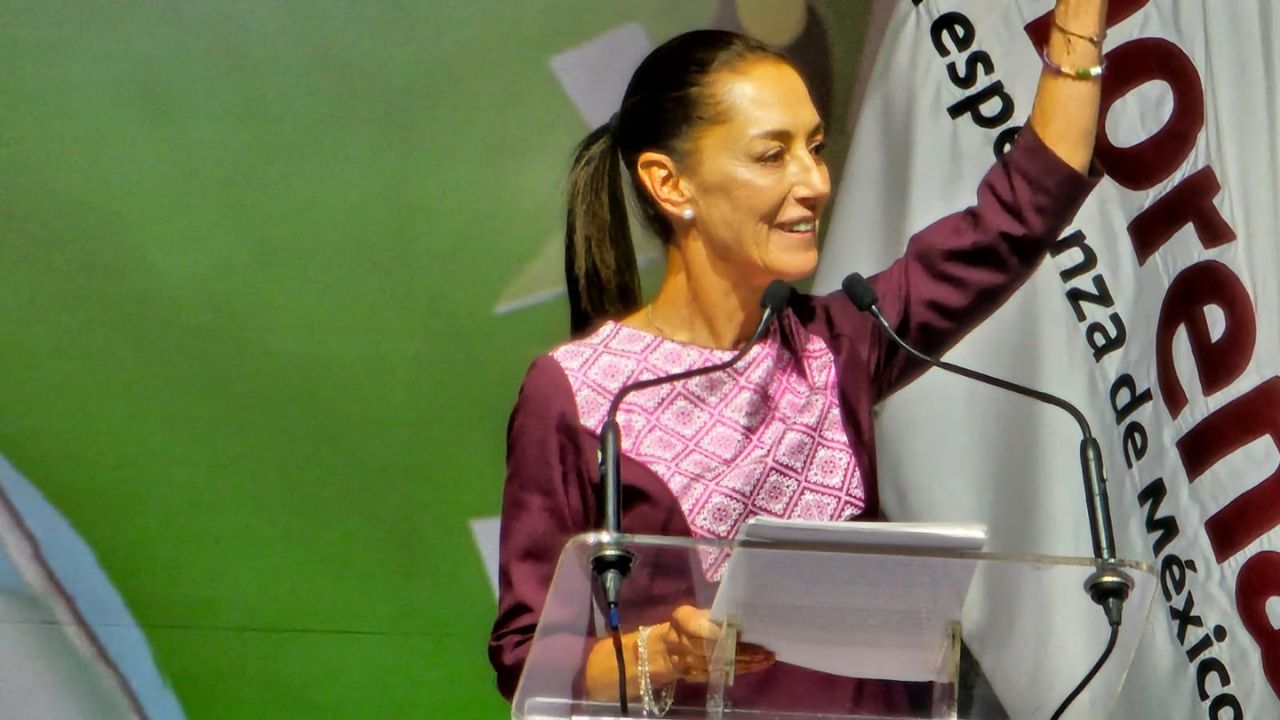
(681, 648)
(678, 649)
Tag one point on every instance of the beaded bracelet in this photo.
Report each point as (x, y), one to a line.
(1083, 73)
(651, 705)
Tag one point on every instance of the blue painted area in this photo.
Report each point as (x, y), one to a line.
(77, 569)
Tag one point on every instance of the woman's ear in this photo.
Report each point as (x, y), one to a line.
(662, 180)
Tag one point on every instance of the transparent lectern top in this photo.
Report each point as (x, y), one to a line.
(859, 632)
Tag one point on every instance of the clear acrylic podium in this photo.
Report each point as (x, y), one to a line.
(1015, 637)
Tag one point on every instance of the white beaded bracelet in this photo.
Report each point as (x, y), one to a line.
(1082, 73)
(651, 705)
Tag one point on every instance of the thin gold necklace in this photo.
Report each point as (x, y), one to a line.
(648, 314)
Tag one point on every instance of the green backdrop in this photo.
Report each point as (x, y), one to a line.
(250, 257)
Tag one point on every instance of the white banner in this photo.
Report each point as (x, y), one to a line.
(1158, 314)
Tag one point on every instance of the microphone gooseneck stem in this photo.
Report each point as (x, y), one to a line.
(1108, 585)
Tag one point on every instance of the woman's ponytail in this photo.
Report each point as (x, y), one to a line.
(599, 259)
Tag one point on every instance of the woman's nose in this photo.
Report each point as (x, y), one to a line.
(812, 181)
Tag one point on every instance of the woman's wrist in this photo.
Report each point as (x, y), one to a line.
(1074, 47)
(654, 700)
(1086, 17)
(658, 664)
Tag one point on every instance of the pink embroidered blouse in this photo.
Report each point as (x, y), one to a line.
(764, 437)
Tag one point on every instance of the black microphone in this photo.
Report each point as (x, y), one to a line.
(1108, 586)
(612, 562)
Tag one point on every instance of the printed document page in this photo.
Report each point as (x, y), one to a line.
(842, 607)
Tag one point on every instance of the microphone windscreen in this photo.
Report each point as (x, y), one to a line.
(859, 291)
(776, 296)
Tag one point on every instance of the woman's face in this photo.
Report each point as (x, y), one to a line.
(756, 177)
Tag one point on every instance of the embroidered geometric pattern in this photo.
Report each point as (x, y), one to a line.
(764, 437)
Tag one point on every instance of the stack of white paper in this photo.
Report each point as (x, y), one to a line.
(859, 599)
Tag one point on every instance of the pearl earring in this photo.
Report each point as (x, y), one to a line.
(687, 213)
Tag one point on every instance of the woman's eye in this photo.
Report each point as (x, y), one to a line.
(818, 148)
(773, 156)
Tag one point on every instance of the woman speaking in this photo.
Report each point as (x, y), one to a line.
(722, 146)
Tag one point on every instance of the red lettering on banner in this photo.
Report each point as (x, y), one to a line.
(1256, 511)
(1258, 582)
(1129, 66)
(1217, 362)
(1190, 201)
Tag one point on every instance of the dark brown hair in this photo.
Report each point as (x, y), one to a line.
(667, 99)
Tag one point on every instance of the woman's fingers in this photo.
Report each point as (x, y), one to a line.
(694, 623)
(752, 658)
(754, 663)
(748, 652)
(690, 638)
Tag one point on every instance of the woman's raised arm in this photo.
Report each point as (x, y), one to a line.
(1065, 112)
